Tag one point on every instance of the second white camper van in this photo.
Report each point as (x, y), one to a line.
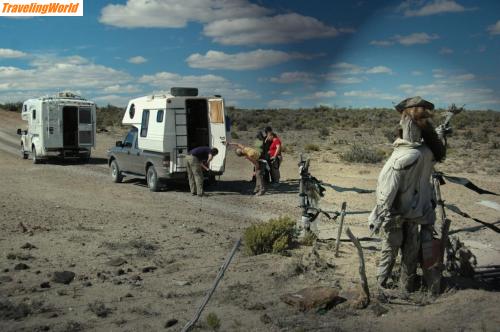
(164, 129)
(63, 126)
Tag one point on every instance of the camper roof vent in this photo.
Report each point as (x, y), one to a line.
(184, 92)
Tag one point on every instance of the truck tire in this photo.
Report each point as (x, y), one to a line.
(23, 153)
(34, 157)
(116, 175)
(152, 179)
(85, 158)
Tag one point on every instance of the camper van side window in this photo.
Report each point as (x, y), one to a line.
(34, 113)
(159, 116)
(131, 111)
(144, 123)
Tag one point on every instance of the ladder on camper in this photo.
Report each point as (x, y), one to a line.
(181, 144)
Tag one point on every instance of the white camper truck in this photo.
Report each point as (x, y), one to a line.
(63, 125)
(164, 129)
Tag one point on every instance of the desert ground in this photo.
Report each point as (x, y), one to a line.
(142, 260)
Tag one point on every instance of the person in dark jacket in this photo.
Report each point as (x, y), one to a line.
(197, 160)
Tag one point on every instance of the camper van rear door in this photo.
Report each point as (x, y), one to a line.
(217, 132)
(85, 128)
(53, 133)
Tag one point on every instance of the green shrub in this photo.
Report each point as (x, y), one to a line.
(311, 147)
(362, 154)
(234, 135)
(308, 239)
(323, 132)
(213, 321)
(273, 236)
(109, 116)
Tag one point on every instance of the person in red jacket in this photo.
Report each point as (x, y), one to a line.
(274, 156)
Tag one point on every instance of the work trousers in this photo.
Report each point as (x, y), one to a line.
(399, 234)
(195, 175)
(275, 169)
(259, 178)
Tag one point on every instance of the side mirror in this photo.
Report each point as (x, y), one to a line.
(19, 131)
(119, 144)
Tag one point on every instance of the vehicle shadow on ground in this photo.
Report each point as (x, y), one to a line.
(76, 161)
(222, 188)
(242, 187)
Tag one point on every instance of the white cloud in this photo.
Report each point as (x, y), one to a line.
(495, 28)
(343, 79)
(116, 100)
(293, 77)
(465, 77)
(47, 73)
(10, 53)
(117, 88)
(455, 89)
(166, 80)
(283, 103)
(371, 94)
(382, 43)
(242, 61)
(408, 40)
(379, 70)
(445, 51)
(324, 94)
(343, 68)
(175, 14)
(136, 60)
(207, 85)
(416, 73)
(278, 29)
(420, 8)
(415, 38)
(347, 68)
(235, 22)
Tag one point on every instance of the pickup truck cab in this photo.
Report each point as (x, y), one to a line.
(126, 159)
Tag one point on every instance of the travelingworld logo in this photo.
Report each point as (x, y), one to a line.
(41, 8)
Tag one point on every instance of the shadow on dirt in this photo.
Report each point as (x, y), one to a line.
(242, 187)
(76, 161)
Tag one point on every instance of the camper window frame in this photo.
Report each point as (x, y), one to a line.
(160, 115)
(144, 123)
(131, 111)
(33, 113)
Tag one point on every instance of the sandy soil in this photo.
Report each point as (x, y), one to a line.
(141, 259)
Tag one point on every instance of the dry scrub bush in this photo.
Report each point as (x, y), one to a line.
(362, 154)
(323, 132)
(311, 147)
(273, 236)
(308, 239)
(213, 322)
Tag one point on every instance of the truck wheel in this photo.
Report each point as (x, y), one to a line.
(85, 158)
(116, 175)
(23, 153)
(152, 179)
(34, 157)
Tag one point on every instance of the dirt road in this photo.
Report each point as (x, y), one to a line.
(141, 259)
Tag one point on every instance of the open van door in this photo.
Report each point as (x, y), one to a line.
(85, 127)
(217, 133)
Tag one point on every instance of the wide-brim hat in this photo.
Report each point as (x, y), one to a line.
(414, 102)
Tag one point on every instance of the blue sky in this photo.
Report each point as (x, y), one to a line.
(261, 54)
